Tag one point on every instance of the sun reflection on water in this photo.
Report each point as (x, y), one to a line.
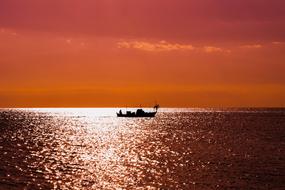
(90, 151)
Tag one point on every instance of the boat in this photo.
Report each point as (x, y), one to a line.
(139, 113)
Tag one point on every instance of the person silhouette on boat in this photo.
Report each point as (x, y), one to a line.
(120, 112)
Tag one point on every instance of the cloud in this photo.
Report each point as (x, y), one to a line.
(212, 49)
(68, 41)
(278, 43)
(163, 46)
(6, 31)
(155, 47)
(252, 46)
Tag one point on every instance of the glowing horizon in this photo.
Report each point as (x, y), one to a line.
(112, 53)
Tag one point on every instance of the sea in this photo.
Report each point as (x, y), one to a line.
(91, 148)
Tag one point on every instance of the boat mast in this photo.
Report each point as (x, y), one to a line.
(156, 107)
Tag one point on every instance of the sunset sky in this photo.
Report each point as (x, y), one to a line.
(180, 53)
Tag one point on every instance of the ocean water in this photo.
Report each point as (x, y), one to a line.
(178, 149)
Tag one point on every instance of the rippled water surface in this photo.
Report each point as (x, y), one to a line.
(179, 149)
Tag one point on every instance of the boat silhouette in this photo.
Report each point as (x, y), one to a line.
(139, 113)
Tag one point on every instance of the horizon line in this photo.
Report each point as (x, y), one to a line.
(167, 107)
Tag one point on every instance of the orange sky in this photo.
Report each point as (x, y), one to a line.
(182, 53)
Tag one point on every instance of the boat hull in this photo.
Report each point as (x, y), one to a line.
(146, 114)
